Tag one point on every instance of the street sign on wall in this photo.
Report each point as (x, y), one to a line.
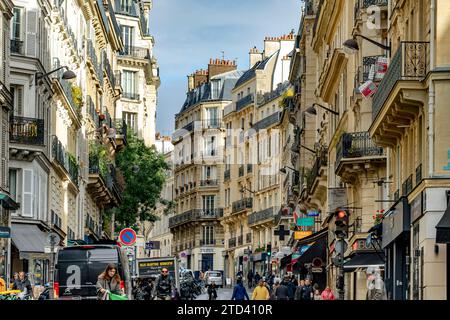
(305, 222)
(127, 236)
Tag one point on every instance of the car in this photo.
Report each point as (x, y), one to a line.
(214, 277)
(77, 269)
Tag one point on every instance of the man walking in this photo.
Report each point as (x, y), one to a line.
(299, 291)
(164, 285)
(261, 292)
(239, 292)
(250, 278)
(307, 292)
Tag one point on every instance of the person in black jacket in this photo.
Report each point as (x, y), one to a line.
(23, 284)
(281, 291)
(250, 278)
(212, 291)
(164, 285)
(307, 292)
(299, 291)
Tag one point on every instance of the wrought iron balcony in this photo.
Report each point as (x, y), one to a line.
(121, 130)
(243, 204)
(356, 145)
(267, 121)
(418, 174)
(92, 111)
(65, 159)
(195, 215)
(212, 124)
(135, 53)
(107, 120)
(26, 130)
(241, 170)
(226, 174)
(231, 242)
(108, 69)
(209, 183)
(409, 63)
(407, 186)
(112, 183)
(262, 215)
(321, 161)
(16, 46)
(244, 102)
(209, 242)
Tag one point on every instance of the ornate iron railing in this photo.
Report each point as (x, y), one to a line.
(135, 52)
(226, 174)
(240, 205)
(209, 183)
(418, 174)
(92, 111)
(131, 95)
(245, 101)
(65, 159)
(262, 215)
(194, 215)
(241, 171)
(26, 130)
(248, 237)
(321, 160)
(240, 240)
(356, 145)
(231, 242)
(410, 62)
(407, 186)
(108, 69)
(267, 121)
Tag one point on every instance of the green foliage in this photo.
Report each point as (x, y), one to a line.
(143, 171)
(77, 97)
(100, 152)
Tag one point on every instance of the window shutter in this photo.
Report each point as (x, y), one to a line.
(43, 197)
(4, 151)
(27, 207)
(36, 196)
(31, 33)
(19, 101)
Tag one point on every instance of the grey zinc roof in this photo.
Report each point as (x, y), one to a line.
(203, 92)
(251, 73)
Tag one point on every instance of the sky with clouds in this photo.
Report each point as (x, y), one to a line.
(190, 32)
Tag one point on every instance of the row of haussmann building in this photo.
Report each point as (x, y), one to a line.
(351, 112)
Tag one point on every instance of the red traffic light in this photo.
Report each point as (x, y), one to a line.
(341, 214)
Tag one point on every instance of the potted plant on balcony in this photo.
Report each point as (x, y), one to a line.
(378, 217)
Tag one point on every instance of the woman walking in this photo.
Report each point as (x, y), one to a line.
(108, 281)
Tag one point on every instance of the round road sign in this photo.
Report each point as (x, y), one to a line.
(127, 236)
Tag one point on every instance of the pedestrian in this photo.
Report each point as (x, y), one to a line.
(375, 285)
(14, 281)
(274, 290)
(260, 292)
(281, 292)
(163, 286)
(239, 292)
(2, 284)
(212, 291)
(290, 286)
(108, 281)
(327, 294)
(23, 284)
(257, 278)
(294, 281)
(299, 290)
(307, 292)
(250, 278)
(317, 295)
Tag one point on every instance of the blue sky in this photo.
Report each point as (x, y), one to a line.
(190, 32)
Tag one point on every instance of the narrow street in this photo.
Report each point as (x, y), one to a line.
(222, 294)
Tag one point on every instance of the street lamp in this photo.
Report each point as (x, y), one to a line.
(67, 75)
(312, 110)
(352, 45)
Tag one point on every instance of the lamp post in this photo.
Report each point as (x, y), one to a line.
(283, 170)
(312, 110)
(67, 75)
(352, 45)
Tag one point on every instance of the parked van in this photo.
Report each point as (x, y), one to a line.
(214, 277)
(78, 267)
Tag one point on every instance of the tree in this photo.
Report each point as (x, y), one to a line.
(143, 169)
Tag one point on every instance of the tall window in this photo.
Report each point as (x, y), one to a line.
(131, 121)
(17, 93)
(126, 6)
(210, 146)
(209, 205)
(209, 172)
(208, 235)
(16, 30)
(212, 116)
(127, 37)
(129, 84)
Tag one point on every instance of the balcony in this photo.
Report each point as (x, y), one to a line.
(212, 124)
(121, 133)
(130, 95)
(390, 107)
(268, 121)
(113, 185)
(317, 170)
(66, 160)
(195, 215)
(209, 183)
(132, 52)
(16, 46)
(26, 131)
(109, 72)
(241, 205)
(232, 243)
(244, 102)
(265, 215)
(92, 111)
(241, 171)
(407, 186)
(210, 242)
(96, 185)
(419, 174)
(226, 174)
(354, 149)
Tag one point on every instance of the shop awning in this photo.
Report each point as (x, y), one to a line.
(285, 261)
(7, 202)
(443, 228)
(317, 250)
(28, 238)
(364, 260)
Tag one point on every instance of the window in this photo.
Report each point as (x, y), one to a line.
(56, 220)
(131, 120)
(209, 172)
(212, 117)
(129, 84)
(211, 146)
(17, 93)
(13, 173)
(208, 205)
(208, 235)
(16, 29)
(127, 37)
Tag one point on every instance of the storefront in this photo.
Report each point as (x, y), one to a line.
(6, 204)
(260, 263)
(396, 243)
(443, 237)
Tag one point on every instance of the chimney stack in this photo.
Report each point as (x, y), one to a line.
(200, 77)
(254, 56)
(219, 66)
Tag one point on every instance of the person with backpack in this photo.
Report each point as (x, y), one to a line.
(239, 292)
(163, 286)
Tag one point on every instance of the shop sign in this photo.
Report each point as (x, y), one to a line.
(313, 213)
(316, 270)
(301, 234)
(305, 222)
(5, 232)
(396, 222)
(206, 250)
(417, 208)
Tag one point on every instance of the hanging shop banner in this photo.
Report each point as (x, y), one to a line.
(381, 68)
(313, 213)
(368, 89)
(305, 222)
(301, 234)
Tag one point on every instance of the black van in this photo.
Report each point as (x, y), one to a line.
(78, 267)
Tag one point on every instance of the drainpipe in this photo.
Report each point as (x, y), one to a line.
(431, 91)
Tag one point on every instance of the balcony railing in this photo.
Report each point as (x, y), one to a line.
(112, 183)
(241, 171)
(226, 174)
(407, 186)
(418, 174)
(26, 130)
(356, 145)
(321, 161)
(135, 52)
(240, 205)
(212, 123)
(209, 183)
(65, 159)
(130, 95)
(244, 102)
(248, 237)
(209, 242)
(268, 121)
(410, 62)
(396, 195)
(16, 46)
(231, 242)
(262, 215)
(195, 215)
(92, 110)
(118, 77)
(108, 69)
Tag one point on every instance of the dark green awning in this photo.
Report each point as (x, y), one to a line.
(443, 228)
(7, 202)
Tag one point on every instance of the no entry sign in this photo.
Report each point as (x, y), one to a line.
(127, 236)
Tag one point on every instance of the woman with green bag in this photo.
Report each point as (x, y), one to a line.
(109, 283)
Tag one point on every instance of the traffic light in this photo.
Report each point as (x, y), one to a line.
(269, 249)
(341, 223)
